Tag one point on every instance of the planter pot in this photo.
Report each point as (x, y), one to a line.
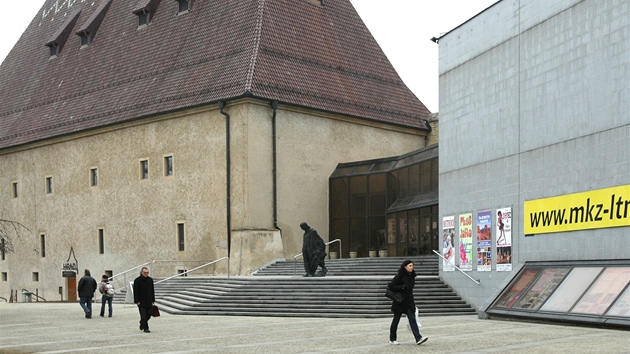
(353, 255)
(333, 255)
(382, 253)
(372, 254)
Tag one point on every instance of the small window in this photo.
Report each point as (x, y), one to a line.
(143, 18)
(168, 165)
(85, 38)
(54, 49)
(101, 241)
(14, 190)
(183, 6)
(93, 177)
(144, 169)
(181, 236)
(2, 249)
(42, 245)
(35, 276)
(49, 185)
(5, 276)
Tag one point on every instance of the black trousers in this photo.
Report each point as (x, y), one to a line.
(145, 316)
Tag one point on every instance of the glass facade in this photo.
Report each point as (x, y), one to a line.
(389, 204)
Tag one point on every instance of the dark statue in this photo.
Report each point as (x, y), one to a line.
(313, 252)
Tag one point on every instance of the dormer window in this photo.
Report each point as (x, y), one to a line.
(59, 38)
(183, 6)
(143, 18)
(54, 49)
(145, 10)
(85, 38)
(88, 30)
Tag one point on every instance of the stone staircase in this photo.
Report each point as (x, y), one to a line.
(384, 267)
(352, 288)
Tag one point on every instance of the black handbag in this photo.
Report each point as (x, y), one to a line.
(156, 311)
(394, 296)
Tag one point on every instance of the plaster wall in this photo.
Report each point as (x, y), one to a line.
(139, 217)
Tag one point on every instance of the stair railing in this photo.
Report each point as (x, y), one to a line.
(478, 282)
(114, 278)
(31, 294)
(301, 254)
(191, 270)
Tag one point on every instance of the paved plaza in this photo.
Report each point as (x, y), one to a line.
(62, 328)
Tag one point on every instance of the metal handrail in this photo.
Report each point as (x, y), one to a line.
(114, 278)
(301, 254)
(32, 294)
(201, 266)
(478, 282)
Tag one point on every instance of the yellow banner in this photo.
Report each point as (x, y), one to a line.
(602, 208)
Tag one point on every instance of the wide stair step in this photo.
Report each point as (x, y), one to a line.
(423, 265)
(352, 288)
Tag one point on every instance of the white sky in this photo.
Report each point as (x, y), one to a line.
(402, 28)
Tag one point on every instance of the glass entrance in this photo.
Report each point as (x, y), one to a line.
(413, 232)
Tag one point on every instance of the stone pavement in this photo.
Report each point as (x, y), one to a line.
(62, 328)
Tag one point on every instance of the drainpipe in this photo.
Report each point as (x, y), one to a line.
(426, 137)
(228, 178)
(274, 106)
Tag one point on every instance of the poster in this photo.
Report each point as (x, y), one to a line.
(465, 242)
(544, 286)
(448, 236)
(604, 291)
(509, 298)
(484, 241)
(504, 239)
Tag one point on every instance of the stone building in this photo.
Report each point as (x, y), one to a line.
(185, 131)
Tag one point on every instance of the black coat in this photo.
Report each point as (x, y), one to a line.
(143, 291)
(87, 286)
(404, 282)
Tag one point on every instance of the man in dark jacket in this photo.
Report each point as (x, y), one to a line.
(86, 289)
(144, 297)
(313, 251)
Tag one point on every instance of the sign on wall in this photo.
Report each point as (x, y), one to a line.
(504, 239)
(465, 241)
(70, 267)
(448, 237)
(484, 241)
(602, 208)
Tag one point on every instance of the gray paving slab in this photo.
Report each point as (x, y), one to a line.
(62, 328)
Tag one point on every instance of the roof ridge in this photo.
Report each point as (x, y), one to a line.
(256, 47)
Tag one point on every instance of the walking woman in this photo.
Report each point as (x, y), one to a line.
(403, 282)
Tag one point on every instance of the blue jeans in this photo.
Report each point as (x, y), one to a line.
(86, 304)
(108, 300)
(411, 316)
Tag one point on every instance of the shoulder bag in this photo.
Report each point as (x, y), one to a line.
(394, 296)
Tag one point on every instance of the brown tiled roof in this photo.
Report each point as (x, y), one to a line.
(292, 51)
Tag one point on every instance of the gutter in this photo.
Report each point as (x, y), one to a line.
(274, 132)
(228, 177)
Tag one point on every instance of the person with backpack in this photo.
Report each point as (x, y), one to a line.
(107, 295)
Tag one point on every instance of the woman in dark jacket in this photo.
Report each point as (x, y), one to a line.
(403, 282)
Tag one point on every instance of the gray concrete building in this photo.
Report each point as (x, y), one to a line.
(534, 120)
